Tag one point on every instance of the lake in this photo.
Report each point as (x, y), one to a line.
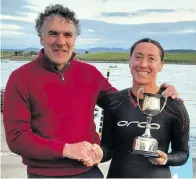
(181, 76)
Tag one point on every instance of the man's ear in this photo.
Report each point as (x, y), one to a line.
(41, 40)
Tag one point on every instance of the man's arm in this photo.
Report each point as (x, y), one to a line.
(17, 122)
(19, 135)
(170, 91)
(106, 89)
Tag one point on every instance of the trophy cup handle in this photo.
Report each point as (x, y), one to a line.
(165, 97)
(138, 92)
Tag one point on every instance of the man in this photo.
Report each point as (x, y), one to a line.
(49, 103)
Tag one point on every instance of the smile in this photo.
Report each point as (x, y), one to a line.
(142, 73)
(60, 51)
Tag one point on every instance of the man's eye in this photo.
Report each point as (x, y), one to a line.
(53, 33)
(68, 35)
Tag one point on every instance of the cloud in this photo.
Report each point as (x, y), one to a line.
(176, 32)
(14, 8)
(137, 13)
(10, 26)
(87, 40)
(105, 24)
(189, 31)
(91, 30)
(142, 16)
(11, 33)
(16, 18)
(131, 12)
(114, 14)
(116, 41)
(156, 10)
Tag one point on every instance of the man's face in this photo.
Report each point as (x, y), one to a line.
(58, 37)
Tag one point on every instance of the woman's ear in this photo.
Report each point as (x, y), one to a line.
(130, 62)
(161, 66)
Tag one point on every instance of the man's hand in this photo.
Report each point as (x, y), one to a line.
(96, 156)
(162, 160)
(169, 91)
(77, 151)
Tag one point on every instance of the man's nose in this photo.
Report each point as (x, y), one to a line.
(61, 40)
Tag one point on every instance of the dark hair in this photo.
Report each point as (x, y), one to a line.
(149, 41)
(53, 10)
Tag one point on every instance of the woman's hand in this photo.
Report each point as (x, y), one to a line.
(162, 160)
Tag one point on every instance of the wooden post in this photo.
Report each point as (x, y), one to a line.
(102, 116)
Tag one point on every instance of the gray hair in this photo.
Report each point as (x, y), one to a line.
(56, 10)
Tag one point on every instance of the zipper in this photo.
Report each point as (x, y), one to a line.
(62, 77)
(61, 74)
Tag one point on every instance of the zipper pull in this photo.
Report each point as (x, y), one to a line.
(62, 77)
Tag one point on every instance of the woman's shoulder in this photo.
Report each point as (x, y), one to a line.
(176, 110)
(176, 104)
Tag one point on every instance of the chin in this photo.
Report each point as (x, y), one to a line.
(60, 61)
(142, 82)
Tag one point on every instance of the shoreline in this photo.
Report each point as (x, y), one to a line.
(94, 61)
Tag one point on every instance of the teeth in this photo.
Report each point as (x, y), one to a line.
(60, 50)
(142, 73)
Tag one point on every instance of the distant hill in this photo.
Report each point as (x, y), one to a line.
(180, 50)
(26, 49)
(103, 49)
(31, 49)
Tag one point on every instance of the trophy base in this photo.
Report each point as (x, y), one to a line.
(146, 153)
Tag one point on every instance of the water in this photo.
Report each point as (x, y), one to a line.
(181, 76)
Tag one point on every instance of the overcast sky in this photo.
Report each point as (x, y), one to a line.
(106, 23)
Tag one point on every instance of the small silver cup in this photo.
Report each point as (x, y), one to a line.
(146, 145)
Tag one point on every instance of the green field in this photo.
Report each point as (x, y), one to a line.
(185, 57)
(170, 57)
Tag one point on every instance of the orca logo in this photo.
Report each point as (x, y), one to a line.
(139, 124)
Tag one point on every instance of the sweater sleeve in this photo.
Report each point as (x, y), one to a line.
(180, 136)
(17, 122)
(105, 89)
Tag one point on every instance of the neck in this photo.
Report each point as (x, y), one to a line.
(60, 67)
(57, 67)
(150, 88)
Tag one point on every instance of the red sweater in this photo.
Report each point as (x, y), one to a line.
(43, 112)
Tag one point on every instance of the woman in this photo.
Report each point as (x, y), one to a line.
(121, 120)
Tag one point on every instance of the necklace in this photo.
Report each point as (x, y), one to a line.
(131, 98)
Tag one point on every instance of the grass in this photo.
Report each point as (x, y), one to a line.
(185, 57)
(120, 57)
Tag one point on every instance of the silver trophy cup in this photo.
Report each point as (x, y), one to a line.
(146, 145)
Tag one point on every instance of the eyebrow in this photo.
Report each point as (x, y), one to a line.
(139, 54)
(151, 55)
(53, 31)
(142, 54)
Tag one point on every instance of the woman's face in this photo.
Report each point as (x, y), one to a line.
(145, 63)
